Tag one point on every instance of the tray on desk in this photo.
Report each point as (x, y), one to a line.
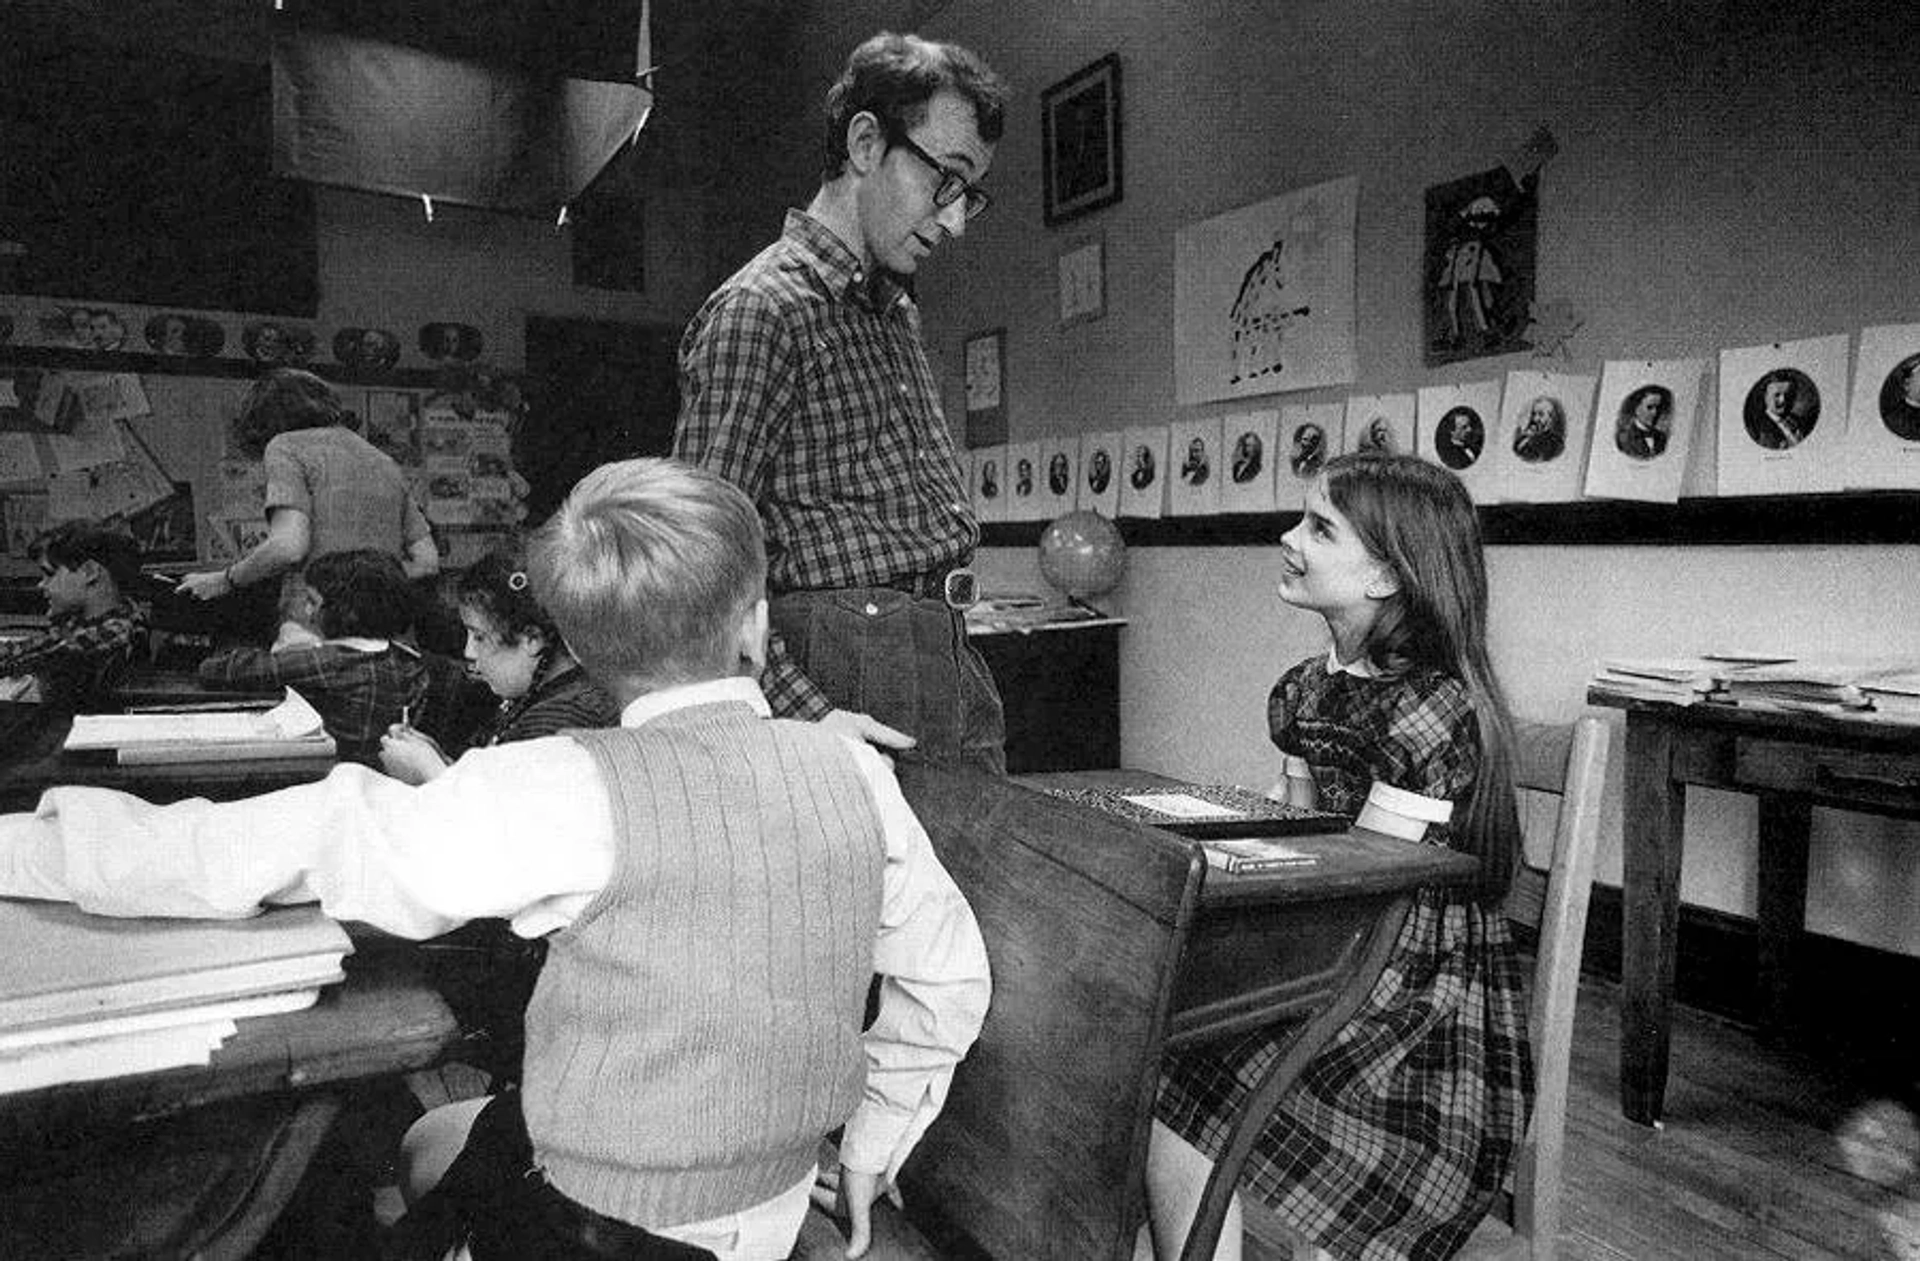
(1252, 814)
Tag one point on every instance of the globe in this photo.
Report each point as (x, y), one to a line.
(1082, 554)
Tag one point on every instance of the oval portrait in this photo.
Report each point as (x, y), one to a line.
(1646, 418)
(1782, 408)
(1309, 450)
(1459, 438)
(1249, 457)
(1900, 399)
(1541, 434)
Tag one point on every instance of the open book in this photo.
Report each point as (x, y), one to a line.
(1204, 810)
(290, 729)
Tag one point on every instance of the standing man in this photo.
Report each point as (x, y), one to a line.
(804, 381)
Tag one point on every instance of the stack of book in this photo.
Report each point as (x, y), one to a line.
(1829, 685)
(90, 996)
(1672, 680)
(291, 729)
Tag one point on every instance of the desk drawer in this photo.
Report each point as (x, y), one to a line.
(1867, 780)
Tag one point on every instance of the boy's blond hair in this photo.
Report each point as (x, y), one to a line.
(648, 569)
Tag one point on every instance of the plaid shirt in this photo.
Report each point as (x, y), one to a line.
(78, 659)
(804, 382)
(359, 694)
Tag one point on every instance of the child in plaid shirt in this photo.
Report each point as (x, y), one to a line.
(93, 629)
(342, 651)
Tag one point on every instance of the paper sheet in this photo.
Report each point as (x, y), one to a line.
(1181, 806)
(292, 719)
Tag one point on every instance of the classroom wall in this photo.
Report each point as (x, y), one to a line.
(1727, 175)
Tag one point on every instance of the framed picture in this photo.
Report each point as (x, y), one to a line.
(1080, 141)
(1081, 274)
(986, 378)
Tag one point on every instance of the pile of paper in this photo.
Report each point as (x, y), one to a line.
(1672, 680)
(291, 729)
(91, 996)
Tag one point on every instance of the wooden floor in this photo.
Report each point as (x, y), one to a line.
(1745, 1166)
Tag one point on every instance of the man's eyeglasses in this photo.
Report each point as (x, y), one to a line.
(953, 185)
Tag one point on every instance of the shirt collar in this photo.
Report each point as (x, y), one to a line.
(1361, 667)
(839, 268)
(739, 689)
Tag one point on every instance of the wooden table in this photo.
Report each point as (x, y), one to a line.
(1111, 942)
(1791, 762)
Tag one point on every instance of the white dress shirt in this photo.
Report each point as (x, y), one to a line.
(514, 831)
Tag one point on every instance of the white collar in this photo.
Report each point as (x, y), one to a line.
(651, 705)
(1361, 667)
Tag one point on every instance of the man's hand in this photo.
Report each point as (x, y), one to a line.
(850, 1195)
(207, 586)
(861, 727)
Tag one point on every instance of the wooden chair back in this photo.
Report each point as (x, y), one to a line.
(1561, 771)
(1040, 1151)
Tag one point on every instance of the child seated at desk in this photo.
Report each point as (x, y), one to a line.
(340, 646)
(1397, 1138)
(515, 649)
(93, 630)
(720, 887)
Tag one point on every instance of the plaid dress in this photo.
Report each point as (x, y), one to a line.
(1399, 1134)
(360, 693)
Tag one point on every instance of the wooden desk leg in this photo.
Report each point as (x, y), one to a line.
(1204, 1234)
(1650, 901)
(1784, 825)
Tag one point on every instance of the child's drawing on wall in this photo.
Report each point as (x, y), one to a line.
(1261, 312)
(1480, 248)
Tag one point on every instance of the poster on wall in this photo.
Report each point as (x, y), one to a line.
(1057, 475)
(1783, 417)
(1144, 489)
(1380, 422)
(1023, 490)
(1643, 426)
(1309, 434)
(1099, 473)
(989, 484)
(1456, 427)
(1263, 296)
(1193, 456)
(1544, 422)
(1478, 264)
(1247, 442)
(1884, 422)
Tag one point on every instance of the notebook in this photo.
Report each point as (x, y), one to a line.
(67, 966)
(1202, 811)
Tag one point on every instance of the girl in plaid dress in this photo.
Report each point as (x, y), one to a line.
(1399, 1134)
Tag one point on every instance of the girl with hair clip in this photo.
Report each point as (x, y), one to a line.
(513, 648)
(1398, 1136)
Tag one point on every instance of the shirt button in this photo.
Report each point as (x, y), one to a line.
(873, 610)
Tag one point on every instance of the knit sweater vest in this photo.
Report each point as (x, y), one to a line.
(695, 1032)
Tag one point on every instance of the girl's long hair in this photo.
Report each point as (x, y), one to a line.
(1417, 517)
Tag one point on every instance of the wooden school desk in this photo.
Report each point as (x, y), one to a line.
(1791, 762)
(1111, 942)
(39, 763)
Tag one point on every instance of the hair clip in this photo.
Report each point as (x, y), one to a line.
(517, 580)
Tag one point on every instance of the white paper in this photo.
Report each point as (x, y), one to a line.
(1193, 467)
(990, 483)
(92, 441)
(1057, 475)
(1457, 429)
(1643, 428)
(19, 460)
(1544, 422)
(1263, 296)
(1024, 477)
(1380, 422)
(1783, 418)
(1248, 458)
(1883, 433)
(1181, 806)
(1143, 489)
(1308, 435)
(1100, 473)
(292, 719)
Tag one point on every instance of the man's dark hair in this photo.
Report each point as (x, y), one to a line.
(362, 593)
(282, 401)
(894, 76)
(72, 544)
